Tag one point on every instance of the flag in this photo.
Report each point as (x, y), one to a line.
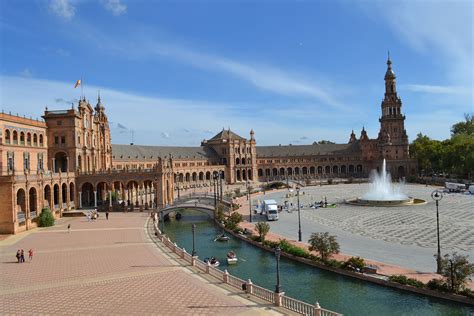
(78, 83)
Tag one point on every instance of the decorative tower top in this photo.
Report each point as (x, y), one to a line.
(99, 107)
(352, 137)
(252, 134)
(363, 134)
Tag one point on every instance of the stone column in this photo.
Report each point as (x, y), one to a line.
(54, 165)
(110, 198)
(95, 198)
(67, 164)
(136, 193)
(80, 199)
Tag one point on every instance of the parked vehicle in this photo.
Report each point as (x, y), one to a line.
(271, 209)
(455, 187)
(471, 189)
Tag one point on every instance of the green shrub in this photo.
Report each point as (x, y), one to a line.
(46, 218)
(270, 244)
(287, 247)
(254, 238)
(274, 185)
(354, 263)
(436, 284)
(467, 292)
(333, 263)
(233, 221)
(406, 281)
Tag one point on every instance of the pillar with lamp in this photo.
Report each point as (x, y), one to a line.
(437, 195)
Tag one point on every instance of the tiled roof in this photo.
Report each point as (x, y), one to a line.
(153, 152)
(306, 150)
(226, 134)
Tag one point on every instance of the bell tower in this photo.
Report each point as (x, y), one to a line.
(392, 121)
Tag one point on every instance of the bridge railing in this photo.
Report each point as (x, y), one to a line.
(279, 299)
(202, 195)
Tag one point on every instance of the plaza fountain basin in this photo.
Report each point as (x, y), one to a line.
(385, 203)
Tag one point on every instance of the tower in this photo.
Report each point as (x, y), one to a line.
(392, 121)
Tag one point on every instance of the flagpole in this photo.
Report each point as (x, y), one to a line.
(82, 88)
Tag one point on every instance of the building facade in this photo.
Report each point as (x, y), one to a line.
(68, 161)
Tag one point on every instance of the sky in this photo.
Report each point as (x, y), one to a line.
(177, 72)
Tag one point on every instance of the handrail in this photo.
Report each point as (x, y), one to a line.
(278, 299)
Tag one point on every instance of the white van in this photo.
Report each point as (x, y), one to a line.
(271, 209)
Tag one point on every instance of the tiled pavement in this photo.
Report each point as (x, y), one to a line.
(107, 267)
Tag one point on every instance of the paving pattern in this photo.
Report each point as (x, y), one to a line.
(106, 267)
(404, 236)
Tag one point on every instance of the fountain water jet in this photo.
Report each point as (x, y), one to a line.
(383, 192)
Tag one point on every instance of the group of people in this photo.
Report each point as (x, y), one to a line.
(94, 215)
(20, 255)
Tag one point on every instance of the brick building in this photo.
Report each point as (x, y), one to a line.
(68, 161)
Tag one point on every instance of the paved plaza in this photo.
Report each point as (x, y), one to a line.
(404, 236)
(107, 267)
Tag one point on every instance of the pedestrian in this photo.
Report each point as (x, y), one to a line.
(22, 256)
(18, 253)
(69, 228)
(107, 215)
(30, 254)
(89, 215)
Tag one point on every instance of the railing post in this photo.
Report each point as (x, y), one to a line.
(193, 260)
(175, 248)
(278, 298)
(182, 253)
(226, 277)
(208, 266)
(317, 309)
(249, 287)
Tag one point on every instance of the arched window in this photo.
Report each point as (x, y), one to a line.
(22, 138)
(7, 136)
(15, 137)
(28, 139)
(35, 140)
(41, 140)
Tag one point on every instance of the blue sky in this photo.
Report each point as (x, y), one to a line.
(177, 72)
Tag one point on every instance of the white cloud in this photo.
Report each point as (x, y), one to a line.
(165, 135)
(115, 7)
(62, 8)
(162, 114)
(26, 73)
(441, 30)
(434, 89)
(263, 77)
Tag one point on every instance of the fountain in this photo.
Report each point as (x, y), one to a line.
(382, 192)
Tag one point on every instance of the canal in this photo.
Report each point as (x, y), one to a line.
(309, 284)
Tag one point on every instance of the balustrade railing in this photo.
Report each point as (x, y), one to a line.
(263, 293)
(260, 292)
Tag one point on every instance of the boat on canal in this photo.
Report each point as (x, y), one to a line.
(212, 261)
(231, 257)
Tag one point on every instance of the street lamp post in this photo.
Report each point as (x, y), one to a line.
(194, 231)
(249, 197)
(299, 213)
(215, 193)
(162, 222)
(221, 178)
(178, 191)
(437, 196)
(277, 256)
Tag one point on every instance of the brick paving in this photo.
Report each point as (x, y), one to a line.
(107, 267)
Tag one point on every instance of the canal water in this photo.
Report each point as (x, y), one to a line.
(309, 284)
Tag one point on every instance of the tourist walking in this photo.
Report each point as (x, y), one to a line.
(107, 215)
(18, 254)
(30, 254)
(22, 256)
(69, 228)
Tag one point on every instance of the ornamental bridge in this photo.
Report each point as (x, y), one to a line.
(199, 202)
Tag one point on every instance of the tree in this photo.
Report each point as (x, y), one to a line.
(262, 229)
(46, 218)
(466, 127)
(233, 221)
(325, 244)
(456, 270)
(323, 142)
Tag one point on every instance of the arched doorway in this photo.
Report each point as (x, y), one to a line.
(21, 206)
(87, 195)
(401, 171)
(71, 192)
(60, 162)
(47, 197)
(56, 196)
(64, 195)
(33, 203)
(102, 193)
